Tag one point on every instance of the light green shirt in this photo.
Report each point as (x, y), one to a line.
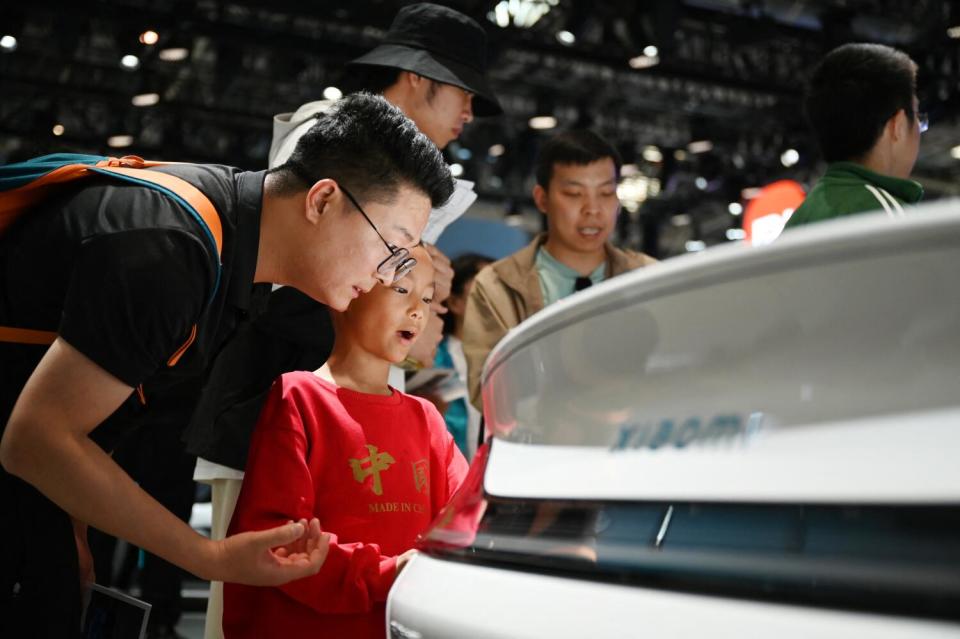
(557, 279)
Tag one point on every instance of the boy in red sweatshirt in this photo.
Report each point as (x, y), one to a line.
(372, 464)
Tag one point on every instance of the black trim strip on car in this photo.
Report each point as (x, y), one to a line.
(891, 559)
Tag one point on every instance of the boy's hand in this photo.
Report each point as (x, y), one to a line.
(271, 557)
(404, 558)
(443, 275)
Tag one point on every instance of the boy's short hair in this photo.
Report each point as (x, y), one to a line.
(372, 148)
(853, 92)
(577, 146)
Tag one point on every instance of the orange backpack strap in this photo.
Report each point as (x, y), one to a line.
(26, 336)
(128, 168)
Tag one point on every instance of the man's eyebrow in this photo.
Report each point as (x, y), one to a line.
(406, 233)
(572, 182)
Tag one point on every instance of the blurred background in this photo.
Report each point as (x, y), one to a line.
(702, 97)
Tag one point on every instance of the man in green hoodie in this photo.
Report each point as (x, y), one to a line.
(862, 105)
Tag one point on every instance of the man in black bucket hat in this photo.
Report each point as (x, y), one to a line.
(441, 45)
(431, 65)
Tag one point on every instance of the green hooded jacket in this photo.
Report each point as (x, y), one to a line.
(848, 188)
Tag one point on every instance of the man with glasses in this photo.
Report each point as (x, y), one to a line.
(862, 105)
(122, 289)
(432, 65)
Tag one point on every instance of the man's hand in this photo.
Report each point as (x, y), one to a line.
(424, 349)
(442, 278)
(84, 558)
(271, 557)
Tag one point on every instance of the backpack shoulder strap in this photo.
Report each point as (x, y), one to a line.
(129, 168)
(180, 190)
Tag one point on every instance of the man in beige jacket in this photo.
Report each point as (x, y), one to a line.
(577, 174)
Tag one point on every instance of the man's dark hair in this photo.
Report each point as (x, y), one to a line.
(370, 79)
(852, 94)
(465, 268)
(576, 146)
(372, 148)
(375, 79)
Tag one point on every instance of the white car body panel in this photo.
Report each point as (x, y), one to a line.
(434, 598)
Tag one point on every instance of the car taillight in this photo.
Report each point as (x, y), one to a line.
(456, 525)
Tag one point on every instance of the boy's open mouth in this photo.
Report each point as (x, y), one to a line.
(407, 335)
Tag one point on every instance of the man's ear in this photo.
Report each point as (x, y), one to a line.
(899, 125)
(411, 79)
(318, 199)
(540, 198)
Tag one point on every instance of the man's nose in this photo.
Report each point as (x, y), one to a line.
(384, 278)
(591, 203)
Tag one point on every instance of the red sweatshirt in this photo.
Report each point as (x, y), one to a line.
(374, 469)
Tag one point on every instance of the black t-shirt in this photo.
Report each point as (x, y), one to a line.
(294, 333)
(122, 272)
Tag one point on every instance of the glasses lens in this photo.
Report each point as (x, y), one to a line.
(924, 122)
(405, 267)
(392, 263)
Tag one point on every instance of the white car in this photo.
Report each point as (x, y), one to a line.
(747, 442)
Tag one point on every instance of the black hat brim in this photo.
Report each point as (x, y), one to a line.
(436, 67)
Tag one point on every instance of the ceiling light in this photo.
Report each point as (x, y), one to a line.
(652, 154)
(145, 99)
(789, 157)
(694, 246)
(955, 152)
(119, 141)
(679, 155)
(463, 153)
(332, 93)
(954, 32)
(629, 169)
(497, 150)
(58, 129)
(643, 62)
(701, 183)
(567, 38)
(735, 208)
(651, 51)
(456, 170)
(130, 62)
(8, 43)
(700, 146)
(543, 122)
(635, 189)
(750, 192)
(173, 54)
(681, 219)
(149, 37)
(736, 234)
(522, 13)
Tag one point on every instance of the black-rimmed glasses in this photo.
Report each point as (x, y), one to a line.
(399, 262)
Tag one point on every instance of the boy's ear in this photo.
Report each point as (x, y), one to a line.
(540, 198)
